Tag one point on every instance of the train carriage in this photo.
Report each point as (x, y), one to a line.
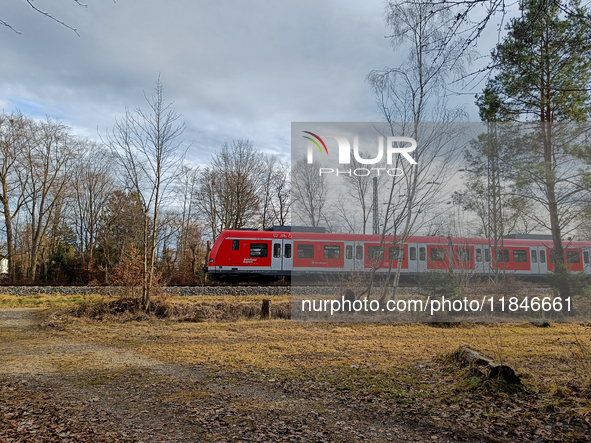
(252, 254)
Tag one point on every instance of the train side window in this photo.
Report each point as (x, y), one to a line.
(573, 257)
(478, 254)
(551, 255)
(437, 254)
(422, 254)
(287, 250)
(305, 251)
(413, 253)
(348, 252)
(487, 255)
(505, 253)
(359, 252)
(586, 257)
(375, 253)
(534, 256)
(502, 255)
(277, 250)
(235, 245)
(394, 253)
(520, 256)
(542, 256)
(332, 251)
(464, 254)
(258, 249)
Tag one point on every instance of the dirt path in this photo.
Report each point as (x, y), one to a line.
(57, 388)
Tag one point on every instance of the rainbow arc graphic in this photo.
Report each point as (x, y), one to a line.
(315, 142)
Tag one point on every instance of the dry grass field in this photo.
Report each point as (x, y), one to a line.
(276, 379)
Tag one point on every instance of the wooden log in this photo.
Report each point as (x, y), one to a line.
(491, 368)
(540, 323)
(266, 308)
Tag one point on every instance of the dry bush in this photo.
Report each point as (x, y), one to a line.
(508, 285)
(580, 364)
(226, 311)
(166, 307)
(127, 281)
(128, 276)
(105, 308)
(281, 282)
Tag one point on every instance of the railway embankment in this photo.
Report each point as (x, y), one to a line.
(173, 290)
(237, 290)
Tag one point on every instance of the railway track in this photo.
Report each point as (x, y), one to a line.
(223, 290)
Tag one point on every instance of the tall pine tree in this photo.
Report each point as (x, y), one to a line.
(543, 73)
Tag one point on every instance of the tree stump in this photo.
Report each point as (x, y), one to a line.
(266, 309)
(350, 297)
(490, 368)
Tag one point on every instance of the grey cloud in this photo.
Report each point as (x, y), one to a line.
(233, 68)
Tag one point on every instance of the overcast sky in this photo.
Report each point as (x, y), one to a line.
(235, 69)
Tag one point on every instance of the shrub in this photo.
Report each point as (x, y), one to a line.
(566, 282)
(437, 284)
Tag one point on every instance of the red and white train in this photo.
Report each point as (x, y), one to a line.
(249, 254)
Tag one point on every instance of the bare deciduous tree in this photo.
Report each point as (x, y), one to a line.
(413, 93)
(309, 192)
(275, 192)
(189, 229)
(15, 138)
(49, 163)
(119, 229)
(93, 185)
(147, 147)
(46, 14)
(281, 190)
(230, 188)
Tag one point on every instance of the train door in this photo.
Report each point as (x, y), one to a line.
(422, 258)
(542, 260)
(534, 259)
(480, 265)
(359, 263)
(277, 255)
(282, 258)
(587, 261)
(349, 256)
(413, 258)
(235, 258)
(287, 255)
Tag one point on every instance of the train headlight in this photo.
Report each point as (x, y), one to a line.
(211, 260)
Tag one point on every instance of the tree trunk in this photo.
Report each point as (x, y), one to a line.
(33, 260)
(9, 239)
(145, 292)
(558, 251)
